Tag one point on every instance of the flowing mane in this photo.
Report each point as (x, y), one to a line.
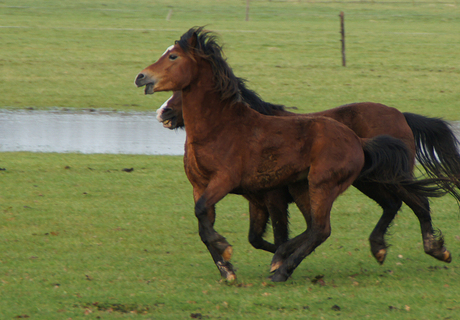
(255, 102)
(226, 83)
(207, 48)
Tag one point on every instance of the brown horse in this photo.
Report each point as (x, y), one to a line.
(436, 150)
(231, 148)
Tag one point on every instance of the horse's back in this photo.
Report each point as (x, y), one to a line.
(369, 119)
(333, 150)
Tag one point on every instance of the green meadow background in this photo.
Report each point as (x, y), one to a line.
(82, 239)
(85, 54)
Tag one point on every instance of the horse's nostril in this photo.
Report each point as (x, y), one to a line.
(140, 76)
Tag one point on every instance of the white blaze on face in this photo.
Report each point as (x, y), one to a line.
(167, 50)
(161, 109)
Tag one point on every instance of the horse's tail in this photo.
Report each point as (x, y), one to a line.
(387, 162)
(437, 146)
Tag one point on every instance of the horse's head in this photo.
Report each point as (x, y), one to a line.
(170, 113)
(173, 71)
(186, 60)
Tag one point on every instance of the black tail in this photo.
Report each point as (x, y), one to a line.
(387, 162)
(437, 146)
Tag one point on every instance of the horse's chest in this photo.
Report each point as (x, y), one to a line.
(198, 166)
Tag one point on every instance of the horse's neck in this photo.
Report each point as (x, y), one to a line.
(202, 111)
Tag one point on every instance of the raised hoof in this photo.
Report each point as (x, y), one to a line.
(275, 266)
(380, 256)
(440, 254)
(447, 257)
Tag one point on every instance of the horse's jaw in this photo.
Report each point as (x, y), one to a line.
(147, 81)
(149, 88)
(168, 116)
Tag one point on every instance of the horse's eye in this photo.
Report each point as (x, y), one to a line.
(172, 57)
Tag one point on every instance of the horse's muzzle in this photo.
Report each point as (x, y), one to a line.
(168, 118)
(142, 80)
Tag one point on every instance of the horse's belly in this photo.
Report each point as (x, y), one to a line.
(273, 178)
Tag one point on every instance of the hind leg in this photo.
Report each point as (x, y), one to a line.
(433, 241)
(317, 205)
(258, 220)
(273, 204)
(299, 193)
(277, 202)
(390, 205)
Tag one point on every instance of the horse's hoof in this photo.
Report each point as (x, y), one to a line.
(231, 277)
(226, 271)
(381, 255)
(278, 277)
(447, 257)
(227, 254)
(275, 266)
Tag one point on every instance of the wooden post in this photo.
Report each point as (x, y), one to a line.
(342, 31)
(168, 17)
(247, 10)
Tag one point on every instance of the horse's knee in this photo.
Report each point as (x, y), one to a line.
(202, 234)
(200, 208)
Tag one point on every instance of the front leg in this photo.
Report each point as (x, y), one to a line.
(219, 248)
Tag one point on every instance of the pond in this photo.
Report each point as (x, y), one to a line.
(88, 132)
(91, 132)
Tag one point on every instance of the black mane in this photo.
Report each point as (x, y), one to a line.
(226, 83)
(255, 102)
(207, 48)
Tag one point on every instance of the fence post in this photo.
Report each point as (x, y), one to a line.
(168, 17)
(342, 31)
(247, 10)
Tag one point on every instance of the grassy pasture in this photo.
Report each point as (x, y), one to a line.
(80, 238)
(85, 54)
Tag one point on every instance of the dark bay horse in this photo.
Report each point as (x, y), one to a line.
(231, 148)
(435, 147)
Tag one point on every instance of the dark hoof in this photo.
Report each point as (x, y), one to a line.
(447, 257)
(444, 256)
(278, 277)
(380, 256)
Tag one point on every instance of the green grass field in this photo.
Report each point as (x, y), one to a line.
(82, 239)
(85, 54)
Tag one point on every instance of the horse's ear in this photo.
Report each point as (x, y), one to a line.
(192, 42)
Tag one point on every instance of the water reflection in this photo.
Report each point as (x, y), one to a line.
(91, 132)
(87, 132)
